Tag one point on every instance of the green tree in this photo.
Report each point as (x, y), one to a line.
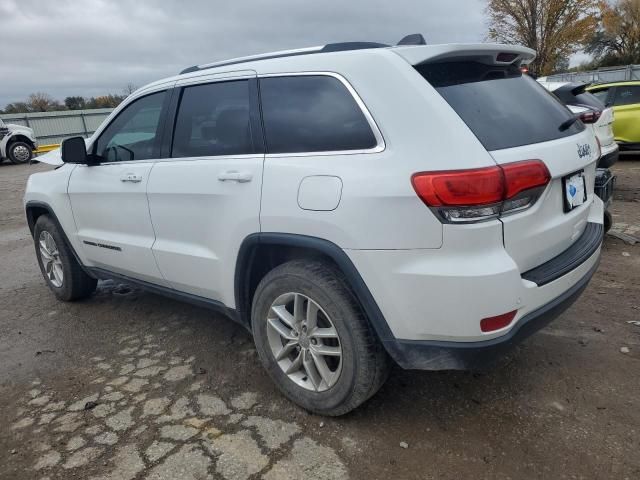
(617, 40)
(75, 103)
(555, 29)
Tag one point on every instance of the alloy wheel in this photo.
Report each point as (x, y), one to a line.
(304, 342)
(51, 259)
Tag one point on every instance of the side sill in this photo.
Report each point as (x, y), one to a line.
(203, 302)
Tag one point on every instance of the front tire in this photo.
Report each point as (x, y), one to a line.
(313, 339)
(19, 153)
(63, 274)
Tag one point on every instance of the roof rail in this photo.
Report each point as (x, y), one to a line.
(330, 47)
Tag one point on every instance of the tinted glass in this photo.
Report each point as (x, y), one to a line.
(601, 94)
(133, 135)
(590, 100)
(501, 106)
(213, 119)
(627, 95)
(312, 114)
(567, 96)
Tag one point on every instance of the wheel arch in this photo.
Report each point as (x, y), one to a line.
(21, 138)
(261, 252)
(35, 209)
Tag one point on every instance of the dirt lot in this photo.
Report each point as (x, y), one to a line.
(181, 395)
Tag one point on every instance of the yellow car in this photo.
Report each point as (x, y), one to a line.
(624, 97)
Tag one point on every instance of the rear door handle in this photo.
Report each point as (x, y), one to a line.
(131, 177)
(235, 176)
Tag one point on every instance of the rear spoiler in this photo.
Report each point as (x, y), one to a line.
(487, 53)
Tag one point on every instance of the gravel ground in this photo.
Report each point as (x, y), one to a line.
(131, 385)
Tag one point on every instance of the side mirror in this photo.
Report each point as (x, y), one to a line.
(74, 150)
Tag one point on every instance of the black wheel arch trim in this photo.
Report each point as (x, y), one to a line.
(31, 221)
(246, 256)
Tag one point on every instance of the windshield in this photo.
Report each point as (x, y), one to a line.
(501, 106)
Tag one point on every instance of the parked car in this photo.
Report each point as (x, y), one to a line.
(17, 143)
(349, 205)
(599, 120)
(624, 98)
(592, 112)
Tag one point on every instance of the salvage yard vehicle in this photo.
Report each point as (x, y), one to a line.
(350, 205)
(592, 112)
(17, 143)
(624, 98)
(599, 118)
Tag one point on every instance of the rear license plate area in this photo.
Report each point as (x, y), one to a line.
(574, 190)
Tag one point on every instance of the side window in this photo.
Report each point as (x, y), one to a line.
(314, 113)
(134, 133)
(627, 95)
(213, 119)
(601, 94)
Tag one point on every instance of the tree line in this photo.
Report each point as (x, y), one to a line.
(607, 30)
(43, 102)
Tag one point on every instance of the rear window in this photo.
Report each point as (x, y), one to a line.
(590, 100)
(310, 113)
(601, 94)
(501, 106)
(566, 95)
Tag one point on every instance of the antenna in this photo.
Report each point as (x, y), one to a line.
(413, 39)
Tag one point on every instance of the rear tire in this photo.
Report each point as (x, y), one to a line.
(19, 153)
(62, 272)
(608, 221)
(340, 325)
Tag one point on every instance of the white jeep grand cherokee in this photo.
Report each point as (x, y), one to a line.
(349, 205)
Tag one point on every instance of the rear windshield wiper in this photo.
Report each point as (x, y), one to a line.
(567, 123)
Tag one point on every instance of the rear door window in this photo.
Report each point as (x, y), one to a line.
(213, 119)
(312, 113)
(627, 95)
(503, 107)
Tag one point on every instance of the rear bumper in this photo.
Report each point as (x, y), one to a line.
(628, 146)
(439, 355)
(432, 301)
(609, 158)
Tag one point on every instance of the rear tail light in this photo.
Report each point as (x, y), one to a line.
(492, 324)
(463, 196)
(592, 116)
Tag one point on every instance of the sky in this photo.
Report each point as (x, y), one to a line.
(94, 47)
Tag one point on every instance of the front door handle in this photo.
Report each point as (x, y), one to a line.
(131, 177)
(235, 176)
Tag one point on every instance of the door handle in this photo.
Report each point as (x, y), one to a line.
(235, 176)
(131, 177)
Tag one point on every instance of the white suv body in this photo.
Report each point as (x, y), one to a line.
(447, 235)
